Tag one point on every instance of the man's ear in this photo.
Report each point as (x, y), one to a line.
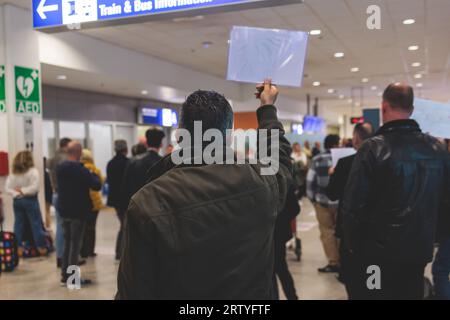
(384, 107)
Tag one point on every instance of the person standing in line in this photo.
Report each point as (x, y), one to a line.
(60, 156)
(441, 264)
(307, 150)
(115, 171)
(336, 190)
(326, 209)
(74, 204)
(282, 234)
(300, 168)
(317, 149)
(23, 185)
(135, 176)
(88, 246)
(398, 184)
(48, 196)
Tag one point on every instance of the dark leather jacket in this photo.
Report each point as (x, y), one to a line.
(205, 231)
(398, 186)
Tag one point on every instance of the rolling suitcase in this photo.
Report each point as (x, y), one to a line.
(8, 251)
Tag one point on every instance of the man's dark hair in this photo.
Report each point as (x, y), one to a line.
(399, 97)
(64, 142)
(364, 130)
(331, 140)
(209, 107)
(138, 149)
(154, 138)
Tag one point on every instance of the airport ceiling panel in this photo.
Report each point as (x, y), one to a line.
(380, 56)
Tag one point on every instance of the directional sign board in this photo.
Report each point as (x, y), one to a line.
(55, 15)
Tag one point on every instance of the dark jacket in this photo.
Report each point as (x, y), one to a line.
(205, 231)
(336, 187)
(135, 176)
(398, 184)
(115, 171)
(74, 183)
(291, 210)
(48, 187)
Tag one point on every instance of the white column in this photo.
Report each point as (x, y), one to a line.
(19, 47)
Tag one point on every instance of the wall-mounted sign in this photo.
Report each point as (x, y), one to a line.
(313, 124)
(28, 98)
(2, 90)
(356, 120)
(163, 117)
(55, 14)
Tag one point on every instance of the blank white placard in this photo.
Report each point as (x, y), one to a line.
(256, 54)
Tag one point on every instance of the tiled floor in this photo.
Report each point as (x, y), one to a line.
(39, 279)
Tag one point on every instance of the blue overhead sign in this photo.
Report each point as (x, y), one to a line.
(54, 14)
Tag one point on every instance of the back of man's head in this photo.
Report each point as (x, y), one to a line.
(331, 141)
(400, 97)
(154, 138)
(64, 142)
(209, 107)
(74, 150)
(364, 130)
(120, 147)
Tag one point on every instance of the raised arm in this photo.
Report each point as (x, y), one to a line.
(268, 120)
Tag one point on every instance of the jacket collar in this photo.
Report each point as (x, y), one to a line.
(407, 125)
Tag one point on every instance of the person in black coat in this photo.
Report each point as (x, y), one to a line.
(282, 234)
(136, 172)
(336, 191)
(115, 171)
(396, 189)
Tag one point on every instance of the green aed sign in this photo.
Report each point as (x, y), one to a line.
(2, 90)
(28, 99)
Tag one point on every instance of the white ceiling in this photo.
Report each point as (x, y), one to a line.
(382, 55)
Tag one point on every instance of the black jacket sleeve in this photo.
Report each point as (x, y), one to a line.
(336, 186)
(356, 201)
(137, 274)
(268, 121)
(444, 213)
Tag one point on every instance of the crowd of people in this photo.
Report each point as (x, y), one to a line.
(214, 231)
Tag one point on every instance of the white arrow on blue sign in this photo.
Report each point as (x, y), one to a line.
(43, 8)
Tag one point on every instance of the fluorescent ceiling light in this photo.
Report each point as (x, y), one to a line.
(355, 69)
(315, 32)
(416, 64)
(365, 80)
(419, 85)
(418, 76)
(331, 90)
(341, 96)
(409, 21)
(61, 77)
(413, 48)
(316, 83)
(144, 92)
(374, 88)
(339, 55)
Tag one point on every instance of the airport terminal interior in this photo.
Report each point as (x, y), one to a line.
(93, 93)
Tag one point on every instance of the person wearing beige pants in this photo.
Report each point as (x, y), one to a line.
(327, 224)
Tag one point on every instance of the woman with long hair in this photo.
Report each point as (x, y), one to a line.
(23, 185)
